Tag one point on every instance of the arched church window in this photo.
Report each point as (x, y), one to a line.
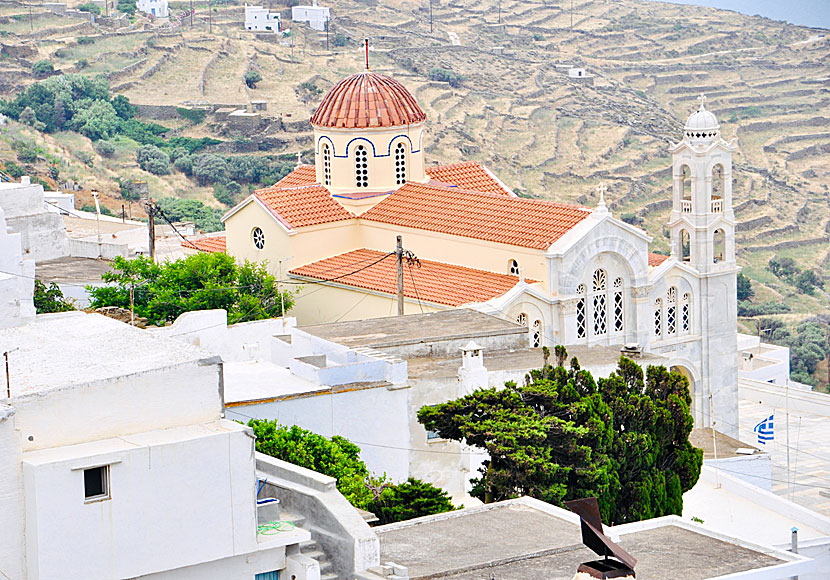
(686, 185)
(400, 164)
(718, 242)
(580, 311)
(522, 319)
(658, 318)
(671, 311)
(599, 287)
(326, 165)
(536, 336)
(685, 313)
(513, 268)
(361, 166)
(717, 182)
(618, 305)
(685, 246)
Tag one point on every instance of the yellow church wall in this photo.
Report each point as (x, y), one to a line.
(318, 304)
(239, 231)
(380, 145)
(313, 243)
(468, 252)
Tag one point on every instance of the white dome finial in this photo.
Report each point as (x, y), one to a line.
(601, 189)
(702, 99)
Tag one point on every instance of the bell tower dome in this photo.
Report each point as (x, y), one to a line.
(702, 221)
(368, 136)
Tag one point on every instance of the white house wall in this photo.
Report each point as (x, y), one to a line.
(178, 497)
(12, 522)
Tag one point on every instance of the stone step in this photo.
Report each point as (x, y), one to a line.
(325, 566)
(295, 519)
(316, 554)
(309, 546)
(329, 576)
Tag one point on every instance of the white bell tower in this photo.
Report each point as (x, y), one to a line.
(702, 227)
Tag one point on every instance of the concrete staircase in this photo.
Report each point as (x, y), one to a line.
(311, 548)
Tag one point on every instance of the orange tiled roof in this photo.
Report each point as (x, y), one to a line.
(208, 244)
(468, 175)
(656, 259)
(302, 206)
(497, 218)
(367, 99)
(433, 282)
(302, 175)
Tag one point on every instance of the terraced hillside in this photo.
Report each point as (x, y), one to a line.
(514, 106)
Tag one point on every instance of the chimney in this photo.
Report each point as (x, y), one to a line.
(472, 373)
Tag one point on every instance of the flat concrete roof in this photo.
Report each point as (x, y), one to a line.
(528, 540)
(524, 359)
(70, 349)
(70, 270)
(727, 446)
(414, 328)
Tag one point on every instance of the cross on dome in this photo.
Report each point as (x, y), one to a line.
(702, 99)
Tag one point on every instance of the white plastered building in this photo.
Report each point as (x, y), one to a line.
(157, 8)
(317, 17)
(260, 19)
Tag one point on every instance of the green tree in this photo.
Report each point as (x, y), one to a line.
(411, 499)
(784, 268)
(162, 292)
(807, 281)
(90, 7)
(98, 120)
(184, 164)
(50, 298)
(210, 168)
(336, 457)
(43, 68)
(123, 108)
(126, 6)
(207, 219)
(151, 158)
(28, 117)
(745, 291)
(252, 77)
(562, 436)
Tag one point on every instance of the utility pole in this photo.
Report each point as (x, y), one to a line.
(499, 11)
(210, 18)
(98, 222)
(399, 256)
(152, 210)
(430, 16)
(191, 13)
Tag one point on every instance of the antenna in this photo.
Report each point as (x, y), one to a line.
(366, 46)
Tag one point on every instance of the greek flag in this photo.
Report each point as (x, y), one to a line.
(764, 430)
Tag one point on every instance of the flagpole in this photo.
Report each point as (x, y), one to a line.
(787, 398)
(714, 442)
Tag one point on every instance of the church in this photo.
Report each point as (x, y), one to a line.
(572, 275)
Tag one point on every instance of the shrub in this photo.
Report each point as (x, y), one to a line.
(246, 168)
(745, 291)
(252, 77)
(195, 116)
(86, 39)
(210, 169)
(43, 68)
(104, 148)
(26, 152)
(126, 6)
(632, 218)
(184, 164)
(439, 74)
(747, 308)
(81, 64)
(123, 108)
(227, 193)
(206, 218)
(412, 499)
(808, 281)
(340, 39)
(97, 121)
(14, 170)
(86, 158)
(90, 207)
(151, 158)
(175, 153)
(538, 37)
(89, 7)
(28, 117)
(50, 299)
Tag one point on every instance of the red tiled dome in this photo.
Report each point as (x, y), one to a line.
(367, 100)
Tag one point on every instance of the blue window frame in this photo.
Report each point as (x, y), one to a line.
(274, 575)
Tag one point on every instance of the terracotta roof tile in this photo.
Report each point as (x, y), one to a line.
(656, 259)
(468, 175)
(433, 282)
(302, 175)
(302, 206)
(207, 244)
(516, 221)
(365, 100)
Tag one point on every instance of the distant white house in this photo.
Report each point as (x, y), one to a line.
(315, 16)
(260, 19)
(157, 8)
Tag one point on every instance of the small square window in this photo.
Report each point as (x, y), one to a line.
(96, 483)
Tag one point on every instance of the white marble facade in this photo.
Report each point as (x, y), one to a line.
(604, 292)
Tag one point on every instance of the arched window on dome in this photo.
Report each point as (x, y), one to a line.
(361, 166)
(400, 164)
(326, 164)
(536, 335)
(580, 312)
(686, 312)
(718, 243)
(513, 267)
